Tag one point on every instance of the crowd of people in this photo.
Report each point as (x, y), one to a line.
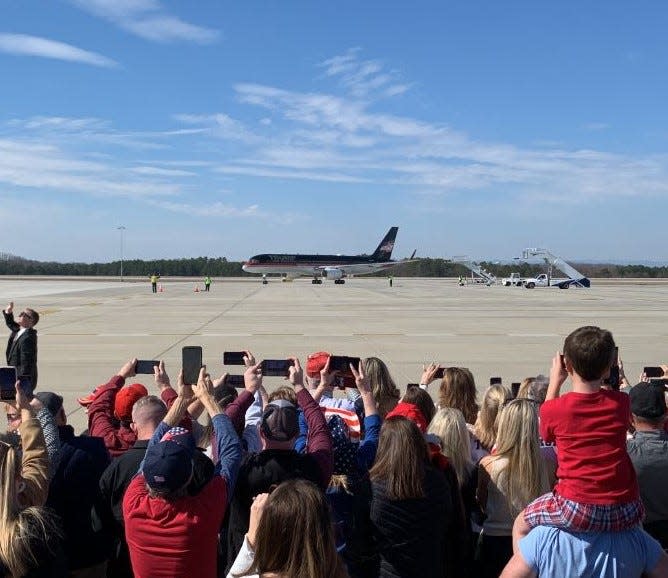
(337, 474)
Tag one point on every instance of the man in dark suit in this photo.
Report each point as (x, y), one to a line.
(22, 345)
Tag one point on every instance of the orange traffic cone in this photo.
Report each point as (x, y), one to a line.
(160, 289)
(196, 288)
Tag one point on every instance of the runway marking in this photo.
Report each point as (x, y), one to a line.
(430, 334)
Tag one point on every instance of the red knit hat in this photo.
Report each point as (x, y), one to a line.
(315, 362)
(125, 398)
(411, 412)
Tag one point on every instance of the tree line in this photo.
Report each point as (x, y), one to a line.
(221, 267)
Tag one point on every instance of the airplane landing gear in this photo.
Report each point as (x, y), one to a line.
(316, 281)
(339, 281)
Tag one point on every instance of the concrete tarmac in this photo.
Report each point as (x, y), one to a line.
(90, 328)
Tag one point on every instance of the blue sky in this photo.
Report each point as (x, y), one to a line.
(233, 128)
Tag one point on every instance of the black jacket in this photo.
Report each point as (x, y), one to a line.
(73, 493)
(259, 473)
(413, 536)
(22, 352)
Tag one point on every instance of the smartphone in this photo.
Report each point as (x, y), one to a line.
(409, 385)
(276, 367)
(145, 366)
(563, 361)
(495, 381)
(613, 378)
(440, 372)
(342, 363)
(7, 383)
(191, 362)
(515, 388)
(653, 372)
(234, 358)
(234, 381)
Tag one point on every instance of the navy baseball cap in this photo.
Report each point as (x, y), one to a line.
(168, 465)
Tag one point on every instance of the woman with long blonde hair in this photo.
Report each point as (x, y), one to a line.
(449, 426)
(385, 391)
(488, 419)
(455, 439)
(29, 535)
(510, 479)
(290, 535)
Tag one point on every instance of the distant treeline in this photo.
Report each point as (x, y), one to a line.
(221, 267)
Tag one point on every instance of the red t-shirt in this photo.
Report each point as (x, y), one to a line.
(590, 433)
(174, 539)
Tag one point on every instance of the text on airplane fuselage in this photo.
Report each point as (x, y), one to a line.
(281, 258)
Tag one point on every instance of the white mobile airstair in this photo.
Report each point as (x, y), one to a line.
(576, 279)
(475, 268)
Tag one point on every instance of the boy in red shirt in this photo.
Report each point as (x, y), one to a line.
(597, 490)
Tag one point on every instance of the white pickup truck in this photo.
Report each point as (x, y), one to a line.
(544, 281)
(513, 281)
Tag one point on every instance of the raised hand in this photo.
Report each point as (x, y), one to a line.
(253, 377)
(296, 373)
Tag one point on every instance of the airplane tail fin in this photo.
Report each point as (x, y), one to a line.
(384, 250)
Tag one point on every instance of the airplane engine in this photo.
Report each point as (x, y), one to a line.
(333, 273)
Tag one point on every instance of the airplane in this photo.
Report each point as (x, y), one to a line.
(335, 267)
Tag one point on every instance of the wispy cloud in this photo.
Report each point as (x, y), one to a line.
(208, 210)
(220, 125)
(49, 168)
(23, 44)
(363, 78)
(148, 19)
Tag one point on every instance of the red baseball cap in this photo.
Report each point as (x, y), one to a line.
(126, 398)
(316, 362)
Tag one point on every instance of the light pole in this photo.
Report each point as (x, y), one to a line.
(121, 229)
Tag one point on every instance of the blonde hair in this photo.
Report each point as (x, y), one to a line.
(449, 425)
(525, 476)
(23, 531)
(488, 419)
(458, 390)
(384, 390)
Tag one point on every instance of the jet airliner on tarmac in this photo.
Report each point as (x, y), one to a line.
(334, 267)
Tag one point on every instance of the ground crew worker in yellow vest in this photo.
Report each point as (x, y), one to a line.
(154, 282)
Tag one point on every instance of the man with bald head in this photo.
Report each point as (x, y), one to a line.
(147, 413)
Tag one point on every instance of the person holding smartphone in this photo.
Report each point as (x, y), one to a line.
(22, 344)
(278, 461)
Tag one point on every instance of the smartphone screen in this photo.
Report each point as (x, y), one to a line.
(191, 361)
(234, 357)
(515, 388)
(613, 378)
(145, 366)
(7, 383)
(653, 372)
(440, 372)
(342, 363)
(276, 367)
(234, 380)
(495, 381)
